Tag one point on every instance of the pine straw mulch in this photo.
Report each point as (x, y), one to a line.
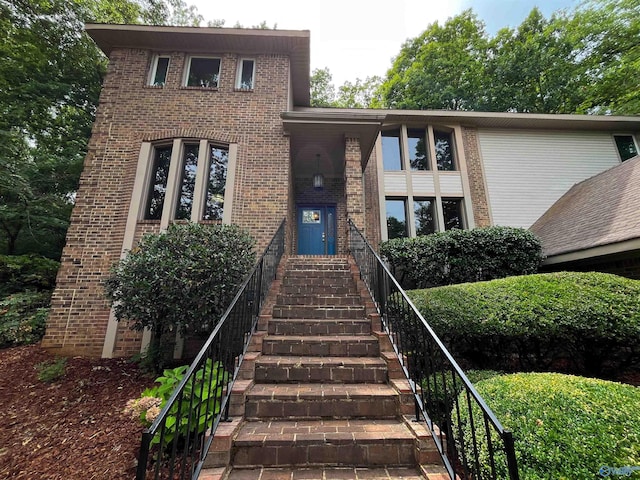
(72, 428)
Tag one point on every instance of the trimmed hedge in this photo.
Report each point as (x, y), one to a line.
(26, 272)
(458, 256)
(568, 321)
(23, 318)
(564, 427)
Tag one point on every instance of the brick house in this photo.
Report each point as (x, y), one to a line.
(214, 125)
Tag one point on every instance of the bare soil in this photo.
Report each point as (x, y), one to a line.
(72, 428)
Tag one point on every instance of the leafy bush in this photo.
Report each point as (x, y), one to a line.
(26, 272)
(23, 318)
(564, 427)
(49, 372)
(206, 387)
(458, 256)
(581, 322)
(181, 279)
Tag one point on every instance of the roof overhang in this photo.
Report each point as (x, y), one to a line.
(243, 41)
(598, 251)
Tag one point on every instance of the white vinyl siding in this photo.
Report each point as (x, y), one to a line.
(450, 184)
(526, 172)
(395, 182)
(422, 183)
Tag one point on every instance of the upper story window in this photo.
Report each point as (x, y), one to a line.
(159, 69)
(391, 158)
(443, 142)
(626, 146)
(203, 72)
(246, 74)
(158, 186)
(187, 181)
(418, 158)
(216, 183)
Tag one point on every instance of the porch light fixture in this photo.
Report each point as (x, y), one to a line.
(318, 178)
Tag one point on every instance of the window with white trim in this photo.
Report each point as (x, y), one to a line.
(424, 215)
(626, 146)
(202, 72)
(216, 183)
(158, 184)
(159, 69)
(246, 74)
(396, 218)
(443, 142)
(187, 181)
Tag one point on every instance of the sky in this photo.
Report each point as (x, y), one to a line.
(359, 38)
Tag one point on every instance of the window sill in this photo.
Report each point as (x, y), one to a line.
(146, 221)
(209, 89)
(243, 89)
(154, 87)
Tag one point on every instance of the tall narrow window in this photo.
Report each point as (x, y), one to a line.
(203, 72)
(217, 179)
(626, 146)
(423, 209)
(159, 70)
(452, 212)
(158, 187)
(246, 71)
(187, 182)
(417, 149)
(444, 150)
(391, 150)
(396, 218)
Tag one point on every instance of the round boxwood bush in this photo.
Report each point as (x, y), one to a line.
(458, 256)
(566, 321)
(564, 427)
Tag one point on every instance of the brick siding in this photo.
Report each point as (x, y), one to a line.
(477, 183)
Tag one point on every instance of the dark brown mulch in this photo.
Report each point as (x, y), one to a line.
(72, 428)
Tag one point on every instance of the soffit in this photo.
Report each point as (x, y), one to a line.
(294, 43)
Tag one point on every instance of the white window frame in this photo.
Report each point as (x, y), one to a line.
(633, 138)
(239, 71)
(187, 71)
(154, 69)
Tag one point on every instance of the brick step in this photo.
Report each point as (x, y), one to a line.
(317, 273)
(289, 369)
(317, 298)
(302, 327)
(319, 312)
(344, 282)
(320, 473)
(331, 288)
(324, 443)
(315, 401)
(321, 346)
(341, 265)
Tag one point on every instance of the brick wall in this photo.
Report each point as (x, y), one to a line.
(479, 198)
(130, 113)
(372, 202)
(354, 190)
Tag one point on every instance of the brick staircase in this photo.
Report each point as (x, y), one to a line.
(321, 394)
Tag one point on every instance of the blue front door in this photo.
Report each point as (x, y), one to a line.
(316, 230)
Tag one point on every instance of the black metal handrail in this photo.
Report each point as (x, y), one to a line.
(177, 442)
(470, 439)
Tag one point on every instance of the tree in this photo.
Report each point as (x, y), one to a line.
(183, 279)
(441, 69)
(360, 94)
(323, 92)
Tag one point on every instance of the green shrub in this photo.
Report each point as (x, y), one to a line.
(458, 256)
(581, 322)
(181, 279)
(564, 427)
(49, 372)
(23, 318)
(26, 272)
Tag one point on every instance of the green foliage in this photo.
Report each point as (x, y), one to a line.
(358, 94)
(201, 401)
(23, 318)
(49, 372)
(458, 256)
(582, 322)
(26, 272)
(564, 427)
(181, 279)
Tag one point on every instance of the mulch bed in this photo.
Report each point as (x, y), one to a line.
(72, 428)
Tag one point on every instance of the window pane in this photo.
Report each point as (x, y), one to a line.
(417, 150)
(626, 146)
(444, 150)
(396, 219)
(158, 187)
(424, 217)
(203, 72)
(160, 77)
(218, 164)
(188, 183)
(391, 150)
(452, 211)
(246, 75)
